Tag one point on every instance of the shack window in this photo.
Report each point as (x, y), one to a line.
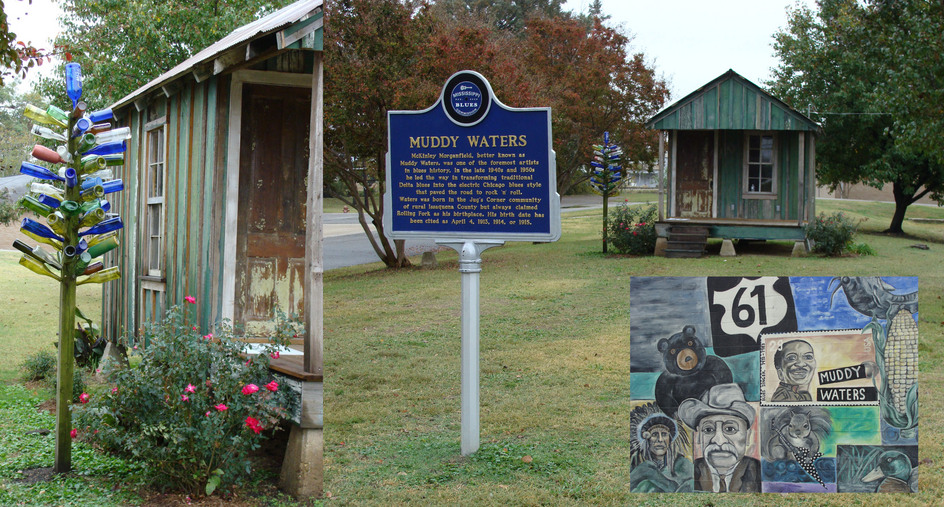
(154, 199)
(760, 171)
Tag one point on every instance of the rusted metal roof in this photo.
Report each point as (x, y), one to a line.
(730, 102)
(206, 60)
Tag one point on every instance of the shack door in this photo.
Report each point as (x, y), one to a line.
(273, 165)
(695, 151)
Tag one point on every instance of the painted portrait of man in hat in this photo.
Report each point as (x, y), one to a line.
(722, 422)
(663, 470)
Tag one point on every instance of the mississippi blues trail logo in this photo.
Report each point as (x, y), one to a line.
(466, 98)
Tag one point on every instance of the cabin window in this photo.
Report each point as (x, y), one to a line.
(760, 169)
(154, 200)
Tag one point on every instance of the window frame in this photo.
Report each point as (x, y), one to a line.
(746, 192)
(157, 127)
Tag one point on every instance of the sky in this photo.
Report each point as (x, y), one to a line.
(35, 23)
(691, 42)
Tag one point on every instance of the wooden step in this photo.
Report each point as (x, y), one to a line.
(686, 241)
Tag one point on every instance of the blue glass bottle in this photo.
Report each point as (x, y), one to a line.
(39, 229)
(111, 224)
(39, 172)
(74, 82)
(108, 148)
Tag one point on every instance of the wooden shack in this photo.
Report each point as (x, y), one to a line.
(739, 165)
(223, 199)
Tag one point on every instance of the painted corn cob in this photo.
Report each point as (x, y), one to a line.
(901, 358)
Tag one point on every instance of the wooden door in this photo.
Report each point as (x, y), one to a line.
(694, 170)
(273, 165)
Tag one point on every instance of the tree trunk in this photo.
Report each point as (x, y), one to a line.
(902, 201)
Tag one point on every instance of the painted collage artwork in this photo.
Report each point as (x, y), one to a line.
(774, 384)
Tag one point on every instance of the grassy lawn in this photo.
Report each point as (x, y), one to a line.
(554, 369)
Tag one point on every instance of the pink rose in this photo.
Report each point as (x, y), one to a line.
(208, 336)
(254, 424)
(274, 355)
(114, 390)
(184, 397)
(74, 433)
(272, 386)
(207, 414)
(190, 389)
(84, 397)
(221, 407)
(190, 299)
(250, 388)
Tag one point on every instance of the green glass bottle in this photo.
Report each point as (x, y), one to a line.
(31, 203)
(98, 238)
(39, 116)
(105, 275)
(82, 262)
(58, 114)
(38, 253)
(38, 267)
(92, 217)
(96, 192)
(57, 222)
(69, 208)
(102, 247)
(42, 239)
(92, 163)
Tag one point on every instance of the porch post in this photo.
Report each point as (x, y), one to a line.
(662, 173)
(801, 187)
(302, 473)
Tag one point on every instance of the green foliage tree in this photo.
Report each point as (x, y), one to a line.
(121, 45)
(853, 64)
(15, 137)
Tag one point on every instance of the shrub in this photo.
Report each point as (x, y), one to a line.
(831, 235)
(862, 249)
(39, 366)
(192, 409)
(632, 229)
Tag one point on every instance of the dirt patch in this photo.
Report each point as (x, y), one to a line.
(47, 406)
(34, 475)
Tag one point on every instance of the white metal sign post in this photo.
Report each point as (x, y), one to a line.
(471, 173)
(470, 265)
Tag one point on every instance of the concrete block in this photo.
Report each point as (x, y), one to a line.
(727, 248)
(429, 260)
(661, 244)
(302, 473)
(799, 249)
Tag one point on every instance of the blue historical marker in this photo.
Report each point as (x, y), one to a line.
(470, 167)
(471, 173)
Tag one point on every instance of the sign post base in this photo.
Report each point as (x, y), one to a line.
(470, 265)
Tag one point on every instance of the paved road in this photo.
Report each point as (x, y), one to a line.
(346, 244)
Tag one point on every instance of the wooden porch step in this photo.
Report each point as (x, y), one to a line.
(686, 241)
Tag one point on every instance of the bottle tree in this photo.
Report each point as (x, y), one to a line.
(70, 195)
(607, 175)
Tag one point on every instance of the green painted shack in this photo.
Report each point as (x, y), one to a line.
(739, 164)
(223, 199)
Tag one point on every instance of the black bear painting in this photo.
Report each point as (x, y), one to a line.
(689, 370)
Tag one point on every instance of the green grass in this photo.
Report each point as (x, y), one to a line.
(29, 312)
(554, 370)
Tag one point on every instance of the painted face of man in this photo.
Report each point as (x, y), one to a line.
(798, 365)
(659, 438)
(723, 439)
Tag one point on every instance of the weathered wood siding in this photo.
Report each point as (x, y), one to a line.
(195, 176)
(730, 102)
(791, 190)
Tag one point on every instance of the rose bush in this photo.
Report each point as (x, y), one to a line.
(186, 408)
(633, 229)
(831, 235)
